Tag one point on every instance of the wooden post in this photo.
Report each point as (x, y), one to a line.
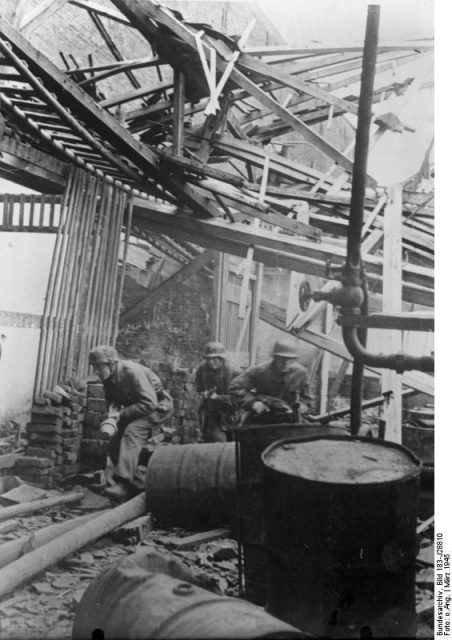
(178, 114)
(295, 278)
(326, 361)
(220, 291)
(255, 307)
(392, 303)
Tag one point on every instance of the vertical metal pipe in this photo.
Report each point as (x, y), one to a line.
(359, 189)
(114, 301)
(54, 268)
(111, 266)
(74, 339)
(93, 262)
(128, 224)
(107, 265)
(53, 313)
(65, 287)
(100, 291)
(362, 137)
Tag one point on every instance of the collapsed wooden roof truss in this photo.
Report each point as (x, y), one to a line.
(203, 171)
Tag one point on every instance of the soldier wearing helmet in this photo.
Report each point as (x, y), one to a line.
(212, 379)
(270, 392)
(139, 404)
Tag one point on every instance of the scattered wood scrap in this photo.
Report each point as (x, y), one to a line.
(191, 542)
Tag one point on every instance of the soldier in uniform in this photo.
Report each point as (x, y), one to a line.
(137, 401)
(274, 391)
(216, 412)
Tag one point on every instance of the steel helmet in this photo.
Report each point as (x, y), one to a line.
(214, 350)
(285, 348)
(103, 354)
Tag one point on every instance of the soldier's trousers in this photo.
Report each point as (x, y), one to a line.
(126, 445)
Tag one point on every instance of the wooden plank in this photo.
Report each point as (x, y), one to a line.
(113, 68)
(249, 152)
(273, 249)
(152, 296)
(255, 307)
(191, 542)
(367, 404)
(220, 289)
(178, 112)
(295, 123)
(273, 50)
(391, 381)
(254, 65)
(134, 95)
(326, 362)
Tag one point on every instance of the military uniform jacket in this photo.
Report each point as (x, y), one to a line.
(208, 379)
(264, 379)
(133, 387)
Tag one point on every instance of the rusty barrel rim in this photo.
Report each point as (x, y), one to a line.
(415, 471)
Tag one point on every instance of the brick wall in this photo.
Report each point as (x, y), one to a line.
(174, 330)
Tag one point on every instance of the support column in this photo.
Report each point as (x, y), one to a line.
(255, 308)
(326, 361)
(392, 303)
(220, 291)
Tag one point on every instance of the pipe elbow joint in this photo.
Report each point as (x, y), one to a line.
(348, 296)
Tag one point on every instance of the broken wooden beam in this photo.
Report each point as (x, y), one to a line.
(23, 569)
(367, 404)
(296, 254)
(13, 549)
(191, 542)
(39, 505)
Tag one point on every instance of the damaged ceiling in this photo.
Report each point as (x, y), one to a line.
(213, 137)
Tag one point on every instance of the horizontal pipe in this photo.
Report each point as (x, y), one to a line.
(400, 362)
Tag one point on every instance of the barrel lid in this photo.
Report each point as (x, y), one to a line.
(341, 460)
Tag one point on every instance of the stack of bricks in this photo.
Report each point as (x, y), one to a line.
(94, 449)
(54, 436)
(180, 383)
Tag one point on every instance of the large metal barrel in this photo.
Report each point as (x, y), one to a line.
(252, 440)
(192, 485)
(340, 532)
(149, 596)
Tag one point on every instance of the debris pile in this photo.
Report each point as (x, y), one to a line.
(54, 436)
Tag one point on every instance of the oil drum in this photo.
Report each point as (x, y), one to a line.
(340, 533)
(148, 595)
(192, 485)
(252, 440)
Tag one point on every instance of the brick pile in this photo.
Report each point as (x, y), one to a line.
(94, 448)
(180, 383)
(54, 432)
